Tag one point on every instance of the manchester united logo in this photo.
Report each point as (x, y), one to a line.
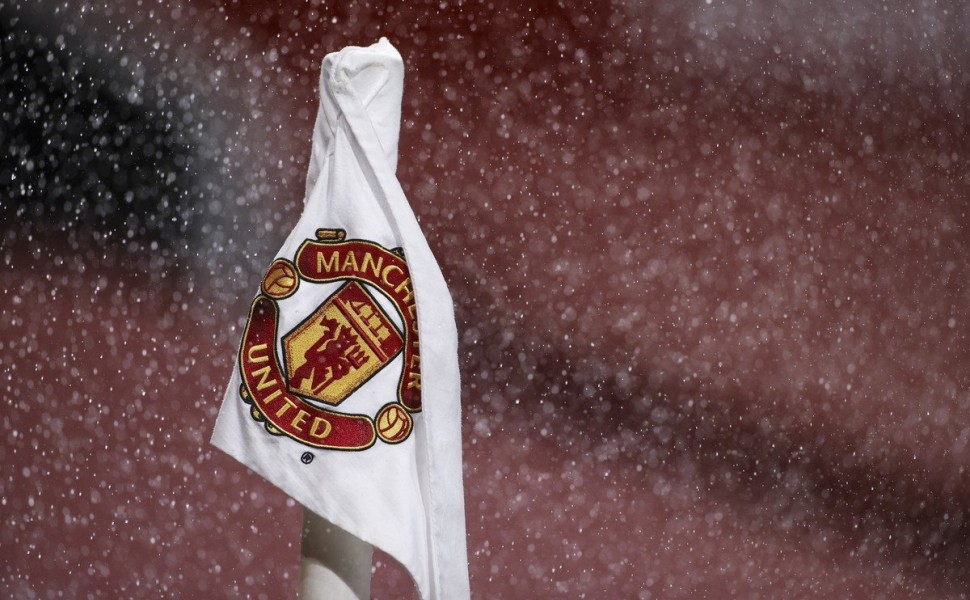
(340, 346)
(336, 349)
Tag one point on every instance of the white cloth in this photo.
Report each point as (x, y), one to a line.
(404, 497)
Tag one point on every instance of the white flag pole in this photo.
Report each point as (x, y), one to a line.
(334, 565)
(439, 347)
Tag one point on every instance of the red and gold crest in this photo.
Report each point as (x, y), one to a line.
(336, 349)
(340, 346)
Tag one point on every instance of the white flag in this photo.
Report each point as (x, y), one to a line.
(334, 399)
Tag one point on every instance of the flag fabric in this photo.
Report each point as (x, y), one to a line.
(346, 390)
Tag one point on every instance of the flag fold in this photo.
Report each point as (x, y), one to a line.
(346, 389)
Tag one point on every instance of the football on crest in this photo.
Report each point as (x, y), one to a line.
(393, 423)
(280, 280)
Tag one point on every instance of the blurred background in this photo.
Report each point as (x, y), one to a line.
(710, 260)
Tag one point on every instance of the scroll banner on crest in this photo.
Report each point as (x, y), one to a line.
(346, 391)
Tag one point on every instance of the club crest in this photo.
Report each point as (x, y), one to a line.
(336, 349)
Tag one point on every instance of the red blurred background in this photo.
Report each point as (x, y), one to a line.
(709, 260)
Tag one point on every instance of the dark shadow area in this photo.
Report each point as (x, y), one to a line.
(95, 160)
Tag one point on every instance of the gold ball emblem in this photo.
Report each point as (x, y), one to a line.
(281, 280)
(393, 423)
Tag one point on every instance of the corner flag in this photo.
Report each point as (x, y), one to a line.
(346, 390)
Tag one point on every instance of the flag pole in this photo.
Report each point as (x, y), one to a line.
(334, 565)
